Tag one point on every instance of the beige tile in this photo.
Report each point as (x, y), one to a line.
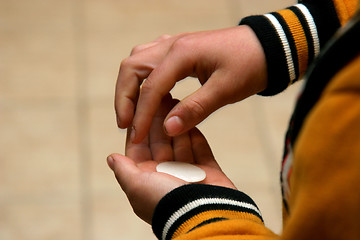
(38, 148)
(39, 174)
(263, 6)
(39, 168)
(34, 220)
(114, 218)
(105, 138)
(37, 51)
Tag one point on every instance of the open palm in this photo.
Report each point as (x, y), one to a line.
(136, 172)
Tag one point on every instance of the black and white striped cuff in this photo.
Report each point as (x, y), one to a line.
(189, 200)
(291, 39)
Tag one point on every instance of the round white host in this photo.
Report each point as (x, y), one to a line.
(185, 171)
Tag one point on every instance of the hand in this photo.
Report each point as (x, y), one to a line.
(136, 172)
(229, 63)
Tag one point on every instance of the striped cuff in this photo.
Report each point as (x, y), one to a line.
(291, 39)
(195, 205)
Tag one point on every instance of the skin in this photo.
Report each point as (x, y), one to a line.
(136, 172)
(229, 63)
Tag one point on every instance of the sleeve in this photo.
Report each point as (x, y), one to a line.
(325, 194)
(198, 211)
(292, 37)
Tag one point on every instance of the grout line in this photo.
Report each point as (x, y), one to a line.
(82, 110)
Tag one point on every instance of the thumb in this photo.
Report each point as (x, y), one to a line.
(124, 169)
(195, 108)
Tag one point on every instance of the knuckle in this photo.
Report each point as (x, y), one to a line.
(127, 62)
(136, 49)
(196, 108)
(130, 63)
(164, 37)
(147, 85)
(182, 43)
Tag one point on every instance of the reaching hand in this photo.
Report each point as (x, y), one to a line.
(229, 63)
(136, 172)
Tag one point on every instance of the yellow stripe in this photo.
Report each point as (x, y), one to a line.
(345, 9)
(204, 216)
(299, 38)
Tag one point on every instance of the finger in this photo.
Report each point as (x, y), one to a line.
(145, 46)
(160, 143)
(124, 168)
(133, 71)
(196, 107)
(201, 149)
(131, 74)
(175, 67)
(138, 152)
(142, 47)
(163, 37)
(182, 148)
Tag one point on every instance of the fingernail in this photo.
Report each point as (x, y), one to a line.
(118, 121)
(174, 125)
(110, 161)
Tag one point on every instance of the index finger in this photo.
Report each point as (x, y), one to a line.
(131, 74)
(133, 70)
(176, 66)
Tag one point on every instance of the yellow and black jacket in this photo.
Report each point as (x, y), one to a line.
(321, 166)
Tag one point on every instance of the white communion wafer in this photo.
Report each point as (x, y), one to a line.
(185, 171)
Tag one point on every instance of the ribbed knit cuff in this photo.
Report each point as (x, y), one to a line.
(278, 77)
(189, 200)
(291, 39)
